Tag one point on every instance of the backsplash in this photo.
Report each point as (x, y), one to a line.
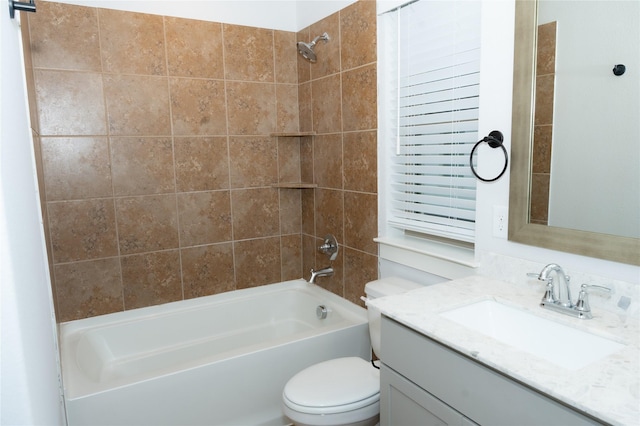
(514, 271)
(156, 160)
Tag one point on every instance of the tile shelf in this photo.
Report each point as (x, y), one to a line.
(293, 134)
(294, 185)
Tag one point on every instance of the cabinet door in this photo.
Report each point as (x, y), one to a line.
(480, 393)
(402, 403)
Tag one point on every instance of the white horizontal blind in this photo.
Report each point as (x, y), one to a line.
(436, 115)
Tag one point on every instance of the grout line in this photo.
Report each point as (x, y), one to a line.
(173, 155)
(228, 138)
(110, 153)
(342, 192)
(279, 191)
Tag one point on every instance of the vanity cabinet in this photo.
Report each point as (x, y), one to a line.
(424, 382)
(408, 404)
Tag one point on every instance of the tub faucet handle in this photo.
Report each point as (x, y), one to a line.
(330, 247)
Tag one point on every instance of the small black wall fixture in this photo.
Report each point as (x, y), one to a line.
(495, 140)
(18, 5)
(619, 69)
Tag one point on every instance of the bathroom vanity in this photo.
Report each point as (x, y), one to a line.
(437, 371)
(447, 386)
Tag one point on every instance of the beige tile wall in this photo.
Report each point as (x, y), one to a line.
(338, 100)
(158, 164)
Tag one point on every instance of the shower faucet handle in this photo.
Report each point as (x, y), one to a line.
(330, 247)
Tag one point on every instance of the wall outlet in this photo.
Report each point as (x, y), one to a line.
(500, 221)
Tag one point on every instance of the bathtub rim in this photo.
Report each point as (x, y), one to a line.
(70, 332)
(72, 326)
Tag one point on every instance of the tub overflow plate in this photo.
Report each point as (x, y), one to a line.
(321, 312)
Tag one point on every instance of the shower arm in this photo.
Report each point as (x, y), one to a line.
(324, 37)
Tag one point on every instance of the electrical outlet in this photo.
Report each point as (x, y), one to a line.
(500, 221)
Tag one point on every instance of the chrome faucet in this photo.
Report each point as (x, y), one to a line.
(324, 272)
(564, 291)
(330, 249)
(562, 303)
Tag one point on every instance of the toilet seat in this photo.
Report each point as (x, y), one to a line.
(335, 386)
(334, 409)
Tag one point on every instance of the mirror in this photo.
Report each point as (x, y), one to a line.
(522, 228)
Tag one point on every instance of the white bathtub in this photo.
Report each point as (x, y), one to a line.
(216, 360)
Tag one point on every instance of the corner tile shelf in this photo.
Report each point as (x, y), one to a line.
(294, 185)
(293, 134)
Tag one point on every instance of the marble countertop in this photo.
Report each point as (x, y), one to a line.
(608, 389)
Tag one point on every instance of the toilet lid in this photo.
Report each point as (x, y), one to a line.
(336, 385)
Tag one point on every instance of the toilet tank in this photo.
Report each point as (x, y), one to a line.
(380, 288)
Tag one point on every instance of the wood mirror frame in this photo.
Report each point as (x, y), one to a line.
(592, 244)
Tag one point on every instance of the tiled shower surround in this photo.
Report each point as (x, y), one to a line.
(157, 163)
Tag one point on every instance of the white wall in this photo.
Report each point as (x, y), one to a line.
(29, 374)
(595, 177)
(286, 15)
(495, 113)
(28, 348)
(29, 385)
(498, 255)
(310, 11)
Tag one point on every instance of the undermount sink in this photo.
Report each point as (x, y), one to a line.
(562, 345)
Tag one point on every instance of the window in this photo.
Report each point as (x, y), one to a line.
(429, 73)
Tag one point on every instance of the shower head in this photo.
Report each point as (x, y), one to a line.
(306, 49)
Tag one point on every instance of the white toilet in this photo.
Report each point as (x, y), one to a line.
(342, 391)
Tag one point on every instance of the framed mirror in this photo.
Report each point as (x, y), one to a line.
(525, 225)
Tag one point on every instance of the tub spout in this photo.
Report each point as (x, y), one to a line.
(324, 272)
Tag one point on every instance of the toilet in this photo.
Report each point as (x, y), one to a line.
(343, 391)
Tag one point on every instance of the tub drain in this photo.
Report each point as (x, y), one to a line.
(321, 312)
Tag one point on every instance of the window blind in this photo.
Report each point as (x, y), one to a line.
(432, 84)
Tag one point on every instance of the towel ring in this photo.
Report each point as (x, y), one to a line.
(20, 5)
(495, 140)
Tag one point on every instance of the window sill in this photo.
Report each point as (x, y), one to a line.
(435, 257)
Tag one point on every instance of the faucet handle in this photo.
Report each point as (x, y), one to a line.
(549, 296)
(329, 247)
(601, 288)
(582, 304)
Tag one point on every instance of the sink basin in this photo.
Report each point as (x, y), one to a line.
(562, 345)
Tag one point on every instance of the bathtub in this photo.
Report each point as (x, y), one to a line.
(215, 360)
